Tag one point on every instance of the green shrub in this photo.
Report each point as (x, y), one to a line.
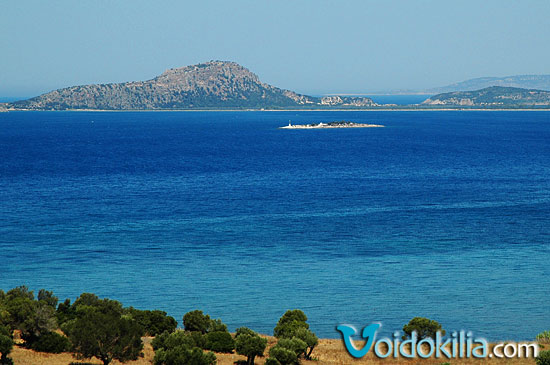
(309, 338)
(20, 311)
(105, 335)
(287, 351)
(5, 331)
(220, 342)
(294, 334)
(198, 339)
(6, 345)
(543, 337)
(159, 342)
(51, 342)
(20, 292)
(216, 325)
(153, 322)
(179, 338)
(196, 321)
(169, 340)
(47, 297)
(543, 358)
(244, 331)
(65, 312)
(272, 361)
(289, 323)
(248, 343)
(183, 355)
(282, 355)
(181, 347)
(87, 299)
(424, 327)
(295, 344)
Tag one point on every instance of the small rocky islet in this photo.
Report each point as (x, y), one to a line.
(336, 124)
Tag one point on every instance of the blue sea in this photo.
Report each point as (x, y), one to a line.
(441, 214)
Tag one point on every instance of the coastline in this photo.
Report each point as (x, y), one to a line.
(327, 352)
(292, 110)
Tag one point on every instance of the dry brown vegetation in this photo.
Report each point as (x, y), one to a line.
(329, 351)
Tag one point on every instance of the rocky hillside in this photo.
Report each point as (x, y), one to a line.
(214, 84)
(495, 96)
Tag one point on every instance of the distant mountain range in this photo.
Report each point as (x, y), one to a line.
(538, 82)
(211, 85)
(494, 96)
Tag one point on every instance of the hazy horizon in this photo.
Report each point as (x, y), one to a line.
(389, 92)
(315, 48)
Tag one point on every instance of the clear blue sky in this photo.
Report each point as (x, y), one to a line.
(314, 47)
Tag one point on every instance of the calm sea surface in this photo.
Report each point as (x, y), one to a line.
(440, 214)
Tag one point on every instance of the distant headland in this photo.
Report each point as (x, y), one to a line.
(491, 97)
(222, 85)
(339, 124)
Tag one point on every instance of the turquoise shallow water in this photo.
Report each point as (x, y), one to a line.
(440, 214)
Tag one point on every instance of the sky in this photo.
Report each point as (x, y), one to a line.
(313, 47)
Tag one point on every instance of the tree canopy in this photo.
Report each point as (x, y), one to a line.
(289, 323)
(179, 348)
(248, 343)
(105, 335)
(295, 338)
(424, 327)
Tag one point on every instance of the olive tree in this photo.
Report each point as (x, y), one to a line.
(248, 343)
(289, 323)
(293, 326)
(309, 338)
(424, 327)
(154, 322)
(105, 335)
(181, 347)
(32, 317)
(183, 355)
(196, 321)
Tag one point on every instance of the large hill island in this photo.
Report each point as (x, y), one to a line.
(226, 85)
(210, 85)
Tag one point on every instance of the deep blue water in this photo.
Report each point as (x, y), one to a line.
(440, 214)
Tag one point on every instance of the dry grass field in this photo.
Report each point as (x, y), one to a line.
(329, 351)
